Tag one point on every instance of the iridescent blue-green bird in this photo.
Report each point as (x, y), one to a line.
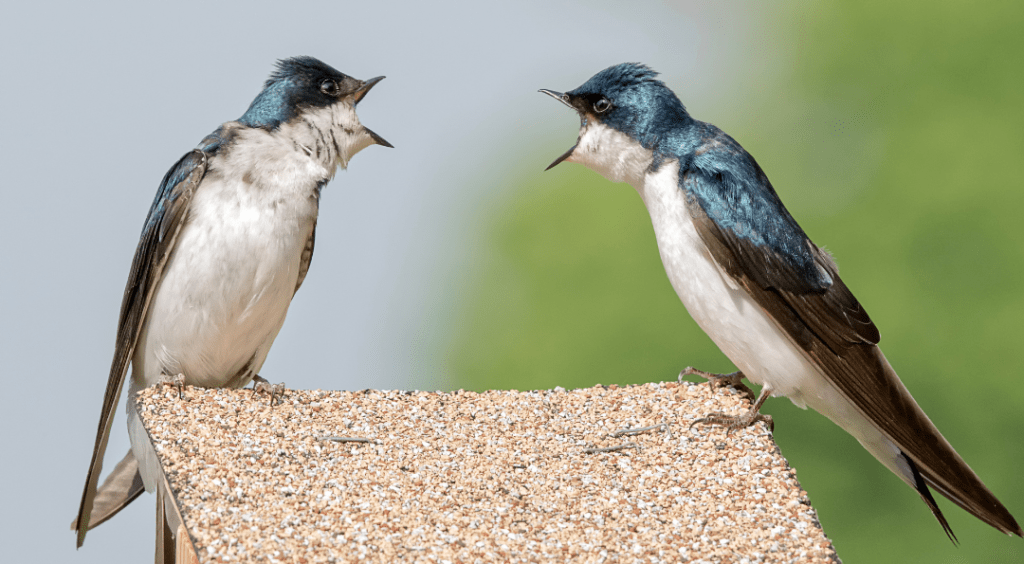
(770, 298)
(227, 243)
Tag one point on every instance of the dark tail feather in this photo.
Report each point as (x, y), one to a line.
(997, 516)
(121, 487)
(922, 488)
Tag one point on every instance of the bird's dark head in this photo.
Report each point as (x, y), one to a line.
(307, 88)
(627, 98)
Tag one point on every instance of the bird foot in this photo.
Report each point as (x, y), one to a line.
(734, 379)
(734, 422)
(261, 385)
(176, 381)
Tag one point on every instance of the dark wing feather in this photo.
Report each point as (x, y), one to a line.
(831, 326)
(166, 216)
(307, 251)
(306, 258)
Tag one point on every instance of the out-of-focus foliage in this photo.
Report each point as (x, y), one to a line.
(898, 143)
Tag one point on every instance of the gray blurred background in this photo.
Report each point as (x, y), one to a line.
(893, 133)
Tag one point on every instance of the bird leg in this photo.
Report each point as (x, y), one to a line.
(261, 385)
(733, 422)
(176, 381)
(734, 379)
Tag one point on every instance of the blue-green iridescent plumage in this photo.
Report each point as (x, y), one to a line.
(299, 88)
(292, 86)
(772, 300)
(714, 169)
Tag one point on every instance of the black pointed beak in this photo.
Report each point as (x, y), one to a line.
(358, 96)
(364, 88)
(377, 138)
(560, 96)
(563, 98)
(562, 158)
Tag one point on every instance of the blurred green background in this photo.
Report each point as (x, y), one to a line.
(898, 143)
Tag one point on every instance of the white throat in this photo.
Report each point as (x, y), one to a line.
(331, 135)
(304, 152)
(612, 153)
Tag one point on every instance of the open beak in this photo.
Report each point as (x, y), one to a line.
(364, 88)
(358, 96)
(377, 138)
(560, 96)
(564, 156)
(563, 98)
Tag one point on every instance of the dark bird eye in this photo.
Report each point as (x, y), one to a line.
(329, 87)
(603, 105)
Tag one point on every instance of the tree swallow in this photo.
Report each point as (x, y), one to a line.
(769, 298)
(227, 243)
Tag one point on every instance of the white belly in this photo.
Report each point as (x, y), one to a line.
(226, 287)
(751, 339)
(740, 327)
(744, 332)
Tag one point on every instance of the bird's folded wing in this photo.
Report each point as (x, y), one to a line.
(166, 216)
(306, 258)
(830, 325)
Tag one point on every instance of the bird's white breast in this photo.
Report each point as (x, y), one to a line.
(227, 286)
(723, 309)
(737, 324)
(751, 339)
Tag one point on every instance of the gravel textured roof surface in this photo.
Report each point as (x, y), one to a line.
(498, 476)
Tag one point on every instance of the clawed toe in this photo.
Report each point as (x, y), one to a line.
(734, 422)
(177, 381)
(261, 385)
(734, 379)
